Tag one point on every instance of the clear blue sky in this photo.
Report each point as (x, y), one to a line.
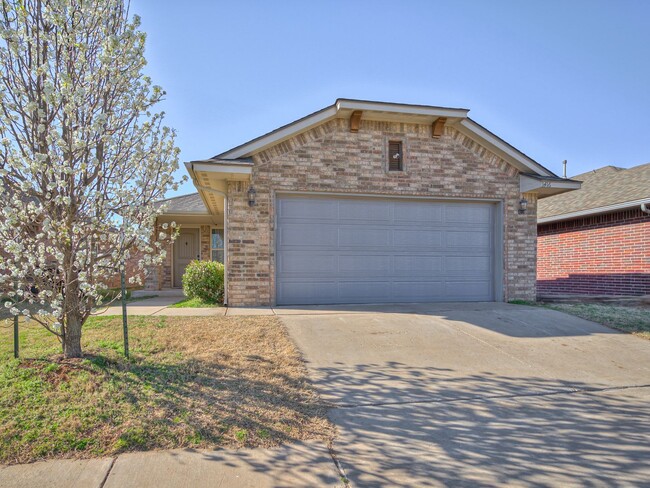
(558, 79)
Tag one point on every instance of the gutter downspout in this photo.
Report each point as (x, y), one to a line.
(644, 208)
(225, 234)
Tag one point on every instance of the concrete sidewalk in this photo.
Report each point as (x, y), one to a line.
(305, 464)
(161, 306)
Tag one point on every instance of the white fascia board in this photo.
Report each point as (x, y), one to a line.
(344, 104)
(529, 183)
(594, 211)
(281, 134)
(517, 158)
(190, 169)
(222, 168)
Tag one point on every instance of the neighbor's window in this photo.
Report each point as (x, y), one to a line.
(395, 156)
(216, 245)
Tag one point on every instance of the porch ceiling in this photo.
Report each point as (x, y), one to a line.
(211, 180)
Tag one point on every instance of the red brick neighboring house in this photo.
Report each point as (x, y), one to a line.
(596, 240)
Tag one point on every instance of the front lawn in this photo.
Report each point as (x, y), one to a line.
(201, 382)
(195, 303)
(632, 319)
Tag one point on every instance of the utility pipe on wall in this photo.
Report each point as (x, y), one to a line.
(644, 208)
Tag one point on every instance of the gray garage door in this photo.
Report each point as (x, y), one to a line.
(366, 250)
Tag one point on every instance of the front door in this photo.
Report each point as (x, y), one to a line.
(186, 249)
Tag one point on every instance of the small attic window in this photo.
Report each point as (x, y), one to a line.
(395, 156)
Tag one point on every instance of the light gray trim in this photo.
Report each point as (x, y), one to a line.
(593, 211)
(281, 134)
(400, 108)
(528, 183)
(245, 169)
(499, 251)
(515, 157)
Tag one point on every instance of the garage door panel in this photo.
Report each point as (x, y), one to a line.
(468, 290)
(308, 235)
(408, 212)
(306, 263)
(304, 208)
(364, 237)
(365, 291)
(368, 265)
(469, 239)
(467, 265)
(429, 239)
(383, 250)
(304, 293)
(418, 291)
(354, 210)
(418, 265)
(462, 214)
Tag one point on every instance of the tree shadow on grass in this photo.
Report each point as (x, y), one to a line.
(211, 401)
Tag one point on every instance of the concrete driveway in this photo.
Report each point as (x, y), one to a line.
(479, 394)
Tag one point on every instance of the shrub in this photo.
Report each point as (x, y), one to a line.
(204, 280)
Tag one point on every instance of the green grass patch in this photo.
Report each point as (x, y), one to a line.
(523, 302)
(195, 303)
(632, 319)
(190, 382)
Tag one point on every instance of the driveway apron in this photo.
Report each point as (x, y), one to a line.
(478, 394)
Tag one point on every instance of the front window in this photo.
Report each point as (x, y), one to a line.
(216, 245)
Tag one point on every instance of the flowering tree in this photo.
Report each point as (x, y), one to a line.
(82, 157)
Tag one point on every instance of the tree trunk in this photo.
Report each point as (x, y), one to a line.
(72, 338)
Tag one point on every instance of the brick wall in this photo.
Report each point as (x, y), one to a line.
(600, 255)
(132, 270)
(205, 242)
(329, 158)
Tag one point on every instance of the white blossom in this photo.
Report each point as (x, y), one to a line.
(83, 154)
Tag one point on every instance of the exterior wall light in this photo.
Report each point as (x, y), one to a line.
(523, 205)
(252, 194)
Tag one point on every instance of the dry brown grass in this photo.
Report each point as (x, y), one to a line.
(191, 382)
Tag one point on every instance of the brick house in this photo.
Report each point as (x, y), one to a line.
(365, 202)
(595, 241)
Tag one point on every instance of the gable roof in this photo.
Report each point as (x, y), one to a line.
(372, 110)
(604, 189)
(184, 204)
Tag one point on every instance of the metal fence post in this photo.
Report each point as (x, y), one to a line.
(16, 338)
(125, 326)
(16, 345)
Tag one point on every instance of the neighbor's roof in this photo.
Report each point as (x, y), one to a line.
(372, 110)
(603, 190)
(184, 204)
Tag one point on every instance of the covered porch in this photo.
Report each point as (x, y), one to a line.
(201, 221)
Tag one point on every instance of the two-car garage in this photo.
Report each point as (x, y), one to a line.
(356, 249)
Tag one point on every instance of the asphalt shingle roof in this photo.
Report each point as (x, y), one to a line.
(601, 187)
(191, 203)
